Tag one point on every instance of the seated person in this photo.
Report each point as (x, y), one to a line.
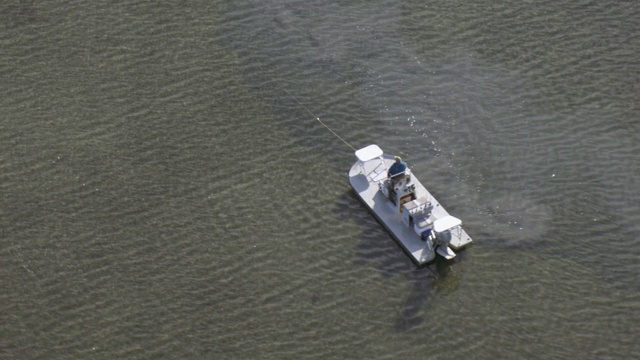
(397, 170)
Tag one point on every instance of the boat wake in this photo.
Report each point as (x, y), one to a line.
(517, 220)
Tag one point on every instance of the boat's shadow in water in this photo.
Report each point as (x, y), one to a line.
(377, 249)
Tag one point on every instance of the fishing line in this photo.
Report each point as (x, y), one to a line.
(318, 119)
(311, 113)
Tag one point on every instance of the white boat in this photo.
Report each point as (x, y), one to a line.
(405, 208)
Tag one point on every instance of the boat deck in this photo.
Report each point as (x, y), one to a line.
(365, 183)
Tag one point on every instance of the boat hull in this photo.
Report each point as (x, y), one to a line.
(390, 217)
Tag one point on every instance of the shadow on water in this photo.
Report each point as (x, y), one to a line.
(439, 278)
(377, 249)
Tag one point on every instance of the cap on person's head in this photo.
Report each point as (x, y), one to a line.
(398, 159)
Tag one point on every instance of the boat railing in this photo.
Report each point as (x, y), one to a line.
(401, 175)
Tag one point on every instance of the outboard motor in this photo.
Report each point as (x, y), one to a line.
(443, 238)
(442, 228)
(442, 244)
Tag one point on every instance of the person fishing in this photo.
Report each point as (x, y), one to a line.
(397, 170)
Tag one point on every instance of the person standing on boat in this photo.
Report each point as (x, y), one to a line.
(397, 170)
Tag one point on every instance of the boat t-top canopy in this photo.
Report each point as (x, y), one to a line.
(376, 171)
(368, 153)
(446, 223)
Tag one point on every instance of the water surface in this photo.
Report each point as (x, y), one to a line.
(167, 194)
